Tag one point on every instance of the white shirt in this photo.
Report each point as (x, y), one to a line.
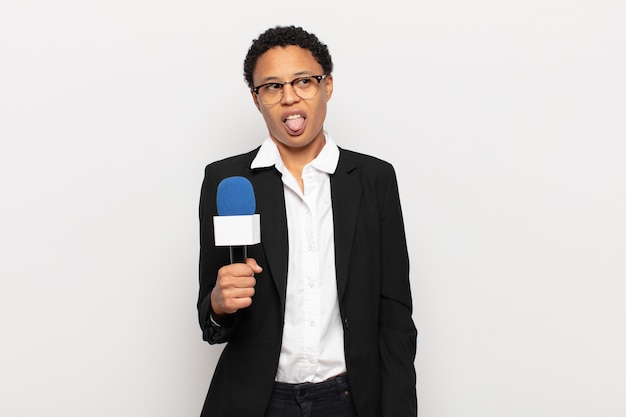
(312, 348)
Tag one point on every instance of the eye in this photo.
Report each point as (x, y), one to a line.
(303, 82)
(273, 86)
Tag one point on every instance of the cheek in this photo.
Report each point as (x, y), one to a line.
(320, 111)
(267, 115)
(272, 121)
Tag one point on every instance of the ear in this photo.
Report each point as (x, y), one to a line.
(328, 81)
(255, 98)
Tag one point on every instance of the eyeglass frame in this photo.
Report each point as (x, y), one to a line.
(319, 79)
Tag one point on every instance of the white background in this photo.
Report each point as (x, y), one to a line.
(505, 121)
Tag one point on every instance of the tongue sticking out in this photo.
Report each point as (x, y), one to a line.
(295, 124)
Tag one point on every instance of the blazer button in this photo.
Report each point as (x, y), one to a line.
(346, 324)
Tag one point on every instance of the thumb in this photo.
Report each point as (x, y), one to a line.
(255, 267)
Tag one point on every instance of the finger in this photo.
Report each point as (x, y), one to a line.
(234, 293)
(235, 270)
(243, 282)
(231, 281)
(234, 304)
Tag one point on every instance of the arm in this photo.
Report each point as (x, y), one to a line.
(224, 288)
(397, 333)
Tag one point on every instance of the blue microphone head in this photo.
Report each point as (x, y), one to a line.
(235, 197)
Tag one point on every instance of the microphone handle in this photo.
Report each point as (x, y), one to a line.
(238, 254)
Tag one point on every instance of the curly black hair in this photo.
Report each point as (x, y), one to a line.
(284, 36)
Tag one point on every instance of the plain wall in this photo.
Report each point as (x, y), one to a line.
(505, 121)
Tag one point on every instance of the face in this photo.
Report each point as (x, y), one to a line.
(294, 124)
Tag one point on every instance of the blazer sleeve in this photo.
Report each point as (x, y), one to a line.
(211, 259)
(397, 332)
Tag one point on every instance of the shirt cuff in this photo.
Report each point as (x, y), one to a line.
(213, 322)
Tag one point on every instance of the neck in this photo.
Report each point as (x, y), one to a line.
(296, 158)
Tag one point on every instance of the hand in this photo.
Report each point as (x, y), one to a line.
(234, 287)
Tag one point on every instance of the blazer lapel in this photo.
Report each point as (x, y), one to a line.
(346, 197)
(271, 206)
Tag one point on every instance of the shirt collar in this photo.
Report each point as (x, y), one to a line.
(326, 161)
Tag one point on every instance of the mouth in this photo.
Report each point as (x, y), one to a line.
(295, 123)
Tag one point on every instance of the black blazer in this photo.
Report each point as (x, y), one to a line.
(372, 280)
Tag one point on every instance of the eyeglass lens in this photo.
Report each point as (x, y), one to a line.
(304, 87)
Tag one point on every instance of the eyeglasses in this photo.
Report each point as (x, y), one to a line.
(305, 87)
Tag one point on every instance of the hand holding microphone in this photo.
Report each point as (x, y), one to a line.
(236, 226)
(234, 287)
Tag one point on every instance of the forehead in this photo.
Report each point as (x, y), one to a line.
(282, 62)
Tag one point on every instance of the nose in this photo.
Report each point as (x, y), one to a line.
(289, 95)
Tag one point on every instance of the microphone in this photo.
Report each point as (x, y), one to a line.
(236, 224)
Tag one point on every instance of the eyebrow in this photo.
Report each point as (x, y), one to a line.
(274, 78)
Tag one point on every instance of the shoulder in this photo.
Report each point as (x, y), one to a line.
(233, 165)
(351, 160)
(233, 162)
(215, 172)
